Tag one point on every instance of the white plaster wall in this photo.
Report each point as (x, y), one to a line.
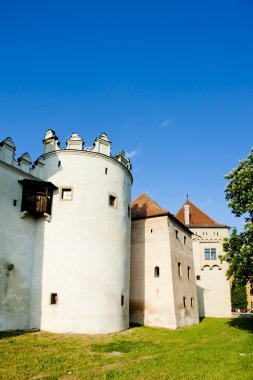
(151, 298)
(213, 287)
(17, 237)
(83, 253)
(181, 252)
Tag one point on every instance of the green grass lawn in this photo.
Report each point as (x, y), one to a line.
(214, 349)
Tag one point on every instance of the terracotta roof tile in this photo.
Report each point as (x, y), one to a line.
(145, 207)
(197, 217)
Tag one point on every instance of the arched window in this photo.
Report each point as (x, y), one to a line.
(156, 272)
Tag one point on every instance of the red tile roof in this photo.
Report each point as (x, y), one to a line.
(197, 217)
(145, 207)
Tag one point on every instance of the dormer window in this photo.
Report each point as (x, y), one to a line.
(37, 197)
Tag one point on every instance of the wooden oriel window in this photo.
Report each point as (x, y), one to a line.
(37, 197)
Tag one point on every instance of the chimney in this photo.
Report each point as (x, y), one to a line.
(186, 214)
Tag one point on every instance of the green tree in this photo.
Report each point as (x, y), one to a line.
(238, 296)
(239, 247)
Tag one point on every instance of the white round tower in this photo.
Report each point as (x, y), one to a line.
(80, 279)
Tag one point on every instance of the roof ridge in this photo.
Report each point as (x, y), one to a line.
(192, 204)
(144, 206)
(197, 217)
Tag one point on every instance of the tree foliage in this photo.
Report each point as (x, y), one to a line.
(239, 247)
(238, 296)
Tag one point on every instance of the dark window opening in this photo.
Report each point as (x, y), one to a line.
(122, 300)
(14, 202)
(176, 234)
(198, 278)
(59, 163)
(151, 231)
(112, 200)
(179, 270)
(184, 239)
(37, 197)
(189, 272)
(53, 298)
(106, 170)
(191, 302)
(129, 211)
(184, 301)
(156, 272)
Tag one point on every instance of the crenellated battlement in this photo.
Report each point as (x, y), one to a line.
(101, 145)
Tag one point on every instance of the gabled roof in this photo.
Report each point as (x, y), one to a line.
(145, 207)
(197, 217)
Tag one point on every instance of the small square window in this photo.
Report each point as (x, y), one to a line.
(14, 202)
(198, 278)
(53, 298)
(66, 194)
(112, 201)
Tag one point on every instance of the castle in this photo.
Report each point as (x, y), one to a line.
(65, 244)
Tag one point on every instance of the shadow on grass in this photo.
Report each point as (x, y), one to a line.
(14, 333)
(242, 324)
(135, 325)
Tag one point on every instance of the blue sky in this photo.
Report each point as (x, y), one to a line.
(170, 82)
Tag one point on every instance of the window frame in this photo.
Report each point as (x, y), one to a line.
(210, 254)
(66, 188)
(213, 250)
